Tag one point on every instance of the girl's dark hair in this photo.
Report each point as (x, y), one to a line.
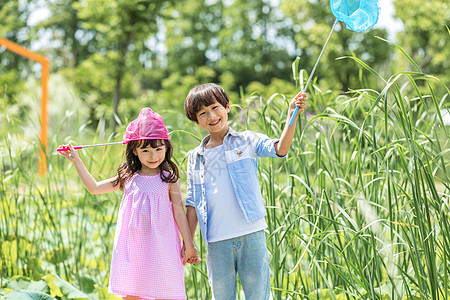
(168, 169)
(204, 95)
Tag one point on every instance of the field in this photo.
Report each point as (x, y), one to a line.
(357, 210)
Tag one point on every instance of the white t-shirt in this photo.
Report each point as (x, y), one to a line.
(225, 217)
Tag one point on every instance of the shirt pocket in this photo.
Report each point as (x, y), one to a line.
(197, 177)
(239, 153)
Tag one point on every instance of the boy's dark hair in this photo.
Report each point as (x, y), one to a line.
(168, 169)
(204, 95)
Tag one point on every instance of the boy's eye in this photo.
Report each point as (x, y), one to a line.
(215, 107)
(201, 114)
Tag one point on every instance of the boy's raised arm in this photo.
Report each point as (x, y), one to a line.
(283, 146)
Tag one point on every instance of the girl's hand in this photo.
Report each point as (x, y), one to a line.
(191, 256)
(298, 101)
(183, 254)
(70, 154)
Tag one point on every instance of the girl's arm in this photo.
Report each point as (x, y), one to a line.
(89, 182)
(180, 218)
(282, 147)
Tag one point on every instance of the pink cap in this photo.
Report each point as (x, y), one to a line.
(148, 126)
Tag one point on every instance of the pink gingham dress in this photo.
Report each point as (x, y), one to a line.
(146, 260)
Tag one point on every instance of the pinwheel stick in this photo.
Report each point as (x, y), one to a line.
(312, 73)
(89, 146)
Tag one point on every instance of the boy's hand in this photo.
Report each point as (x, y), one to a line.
(191, 255)
(298, 101)
(70, 154)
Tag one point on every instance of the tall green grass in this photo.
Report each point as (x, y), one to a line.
(357, 210)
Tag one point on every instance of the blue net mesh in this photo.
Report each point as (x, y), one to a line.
(358, 15)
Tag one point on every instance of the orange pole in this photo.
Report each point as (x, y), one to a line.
(45, 74)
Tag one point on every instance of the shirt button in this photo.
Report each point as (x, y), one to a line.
(201, 175)
(203, 192)
(204, 222)
(204, 206)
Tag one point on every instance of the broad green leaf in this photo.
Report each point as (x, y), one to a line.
(28, 295)
(25, 283)
(54, 289)
(87, 284)
(68, 290)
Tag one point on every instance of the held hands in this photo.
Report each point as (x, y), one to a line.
(190, 255)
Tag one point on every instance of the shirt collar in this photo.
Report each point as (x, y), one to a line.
(206, 139)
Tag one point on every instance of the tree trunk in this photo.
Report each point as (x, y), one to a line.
(120, 72)
(117, 95)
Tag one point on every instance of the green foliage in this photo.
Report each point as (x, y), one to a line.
(312, 23)
(47, 287)
(357, 210)
(426, 37)
(13, 68)
(11, 86)
(28, 295)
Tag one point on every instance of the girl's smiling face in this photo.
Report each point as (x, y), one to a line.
(151, 158)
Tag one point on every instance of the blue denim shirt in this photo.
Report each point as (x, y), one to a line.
(242, 150)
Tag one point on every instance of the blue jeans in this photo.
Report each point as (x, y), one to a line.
(245, 255)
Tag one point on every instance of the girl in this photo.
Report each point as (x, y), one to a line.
(147, 261)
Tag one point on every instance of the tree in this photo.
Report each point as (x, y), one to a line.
(247, 40)
(254, 42)
(73, 44)
(426, 37)
(120, 27)
(13, 26)
(313, 21)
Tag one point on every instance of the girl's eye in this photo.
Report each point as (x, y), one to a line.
(201, 114)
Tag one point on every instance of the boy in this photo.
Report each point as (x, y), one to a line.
(224, 197)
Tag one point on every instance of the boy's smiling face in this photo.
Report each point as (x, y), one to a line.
(213, 117)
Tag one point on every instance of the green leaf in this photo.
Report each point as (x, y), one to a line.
(326, 294)
(61, 287)
(406, 55)
(25, 283)
(54, 289)
(364, 65)
(295, 67)
(28, 295)
(69, 290)
(87, 284)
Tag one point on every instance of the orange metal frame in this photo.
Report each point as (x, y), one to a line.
(45, 74)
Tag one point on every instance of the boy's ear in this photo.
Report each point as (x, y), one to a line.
(228, 108)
